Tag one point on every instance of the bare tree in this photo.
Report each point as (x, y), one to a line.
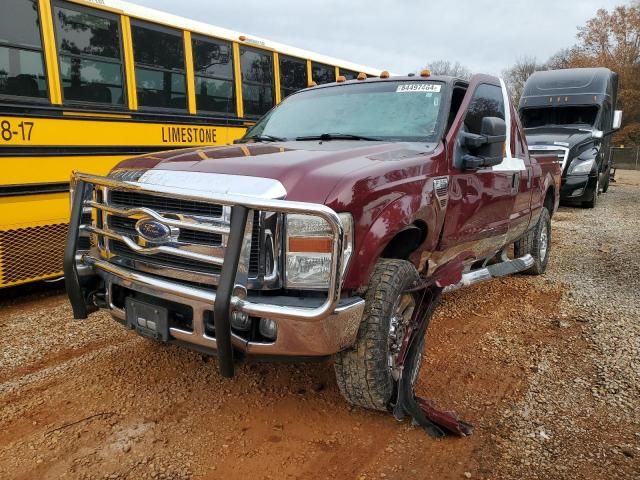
(562, 59)
(448, 68)
(516, 76)
(612, 39)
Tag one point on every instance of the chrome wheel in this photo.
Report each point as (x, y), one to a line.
(544, 241)
(400, 319)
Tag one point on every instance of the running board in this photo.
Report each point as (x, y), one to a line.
(508, 267)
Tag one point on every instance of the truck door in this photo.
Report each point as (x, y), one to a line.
(480, 201)
(522, 182)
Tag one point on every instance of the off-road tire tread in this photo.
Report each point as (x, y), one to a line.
(528, 243)
(362, 373)
(594, 200)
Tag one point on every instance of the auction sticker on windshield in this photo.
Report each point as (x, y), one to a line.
(418, 87)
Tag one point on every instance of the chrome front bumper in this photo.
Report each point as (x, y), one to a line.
(297, 336)
(307, 327)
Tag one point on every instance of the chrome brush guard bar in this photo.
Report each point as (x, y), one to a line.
(231, 293)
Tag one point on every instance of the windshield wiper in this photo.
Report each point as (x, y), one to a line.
(337, 136)
(262, 138)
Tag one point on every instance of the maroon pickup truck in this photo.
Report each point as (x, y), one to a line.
(330, 229)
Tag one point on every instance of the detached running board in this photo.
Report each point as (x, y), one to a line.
(502, 269)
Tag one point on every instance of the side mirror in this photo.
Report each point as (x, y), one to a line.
(487, 148)
(617, 120)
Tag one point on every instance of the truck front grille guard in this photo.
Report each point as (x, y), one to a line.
(231, 292)
(562, 153)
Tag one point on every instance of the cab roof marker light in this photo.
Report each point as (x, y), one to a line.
(242, 38)
(425, 73)
(362, 76)
(340, 79)
(384, 74)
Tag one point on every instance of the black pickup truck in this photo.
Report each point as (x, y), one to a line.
(573, 113)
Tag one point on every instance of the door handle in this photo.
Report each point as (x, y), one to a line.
(515, 182)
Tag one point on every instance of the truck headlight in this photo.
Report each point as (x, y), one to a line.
(580, 167)
(309, 244)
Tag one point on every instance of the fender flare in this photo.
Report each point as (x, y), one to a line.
(395, 217)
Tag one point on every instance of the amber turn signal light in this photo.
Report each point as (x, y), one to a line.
(310, 244)
(384, 74)
(425, 73)
(362, 76)
(242, 38)
(340, 79)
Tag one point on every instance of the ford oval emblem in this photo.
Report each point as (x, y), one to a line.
(153, 230)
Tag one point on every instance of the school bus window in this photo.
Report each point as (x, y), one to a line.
(90, 55)
(21, 60)
(159, 64)
(348, 74)
(323, 73)
(257, 81)
(213, 66)
(293, 75)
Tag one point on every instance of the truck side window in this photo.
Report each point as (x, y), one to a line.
(21, 62)
(158, 53)
(487, 101)
(90, 55)
(256, 67)
(457, 96)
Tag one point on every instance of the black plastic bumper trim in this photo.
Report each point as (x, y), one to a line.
(222, 307)
(71, 277)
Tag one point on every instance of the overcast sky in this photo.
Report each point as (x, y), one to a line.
(403, 35)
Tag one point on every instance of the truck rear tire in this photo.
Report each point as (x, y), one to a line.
(363, 372)
(536, 242)
(607, 180)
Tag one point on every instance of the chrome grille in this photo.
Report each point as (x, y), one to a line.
(254, 259)
(561, 153)
(193, 253)
(163, 259)
(164, 204)
(128, 226)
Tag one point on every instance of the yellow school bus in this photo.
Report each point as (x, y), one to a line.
(86, 83)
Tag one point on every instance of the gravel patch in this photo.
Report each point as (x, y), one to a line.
(580, 413)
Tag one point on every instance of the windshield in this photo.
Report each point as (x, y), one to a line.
(579, 116)
(398, 111)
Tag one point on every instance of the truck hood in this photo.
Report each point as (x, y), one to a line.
(560, 136)
(576, 140)
(309, 170)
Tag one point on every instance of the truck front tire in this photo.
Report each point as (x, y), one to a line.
(591, 203)
(607, 180)
(363, 372)
(536, 242)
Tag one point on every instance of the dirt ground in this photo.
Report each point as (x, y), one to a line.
(88, 399)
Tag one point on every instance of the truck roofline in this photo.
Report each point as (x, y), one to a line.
(449, 80)
(570, 87)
